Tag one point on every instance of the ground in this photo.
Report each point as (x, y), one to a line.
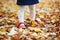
(46, 26)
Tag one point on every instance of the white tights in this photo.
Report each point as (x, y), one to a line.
(21, 13)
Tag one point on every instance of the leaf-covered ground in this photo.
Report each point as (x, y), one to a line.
(47, 23)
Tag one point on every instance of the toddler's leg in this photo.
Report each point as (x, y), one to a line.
(21, 14)
(32, 15)
(21, 17)
(32, 12)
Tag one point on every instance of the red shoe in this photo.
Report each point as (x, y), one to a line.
(21, 25)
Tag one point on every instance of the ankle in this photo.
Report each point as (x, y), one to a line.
(21, 23)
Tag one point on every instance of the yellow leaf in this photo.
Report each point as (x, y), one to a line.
(33, 23)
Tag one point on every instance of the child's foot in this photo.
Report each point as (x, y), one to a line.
(21, 25)
(31, 22)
